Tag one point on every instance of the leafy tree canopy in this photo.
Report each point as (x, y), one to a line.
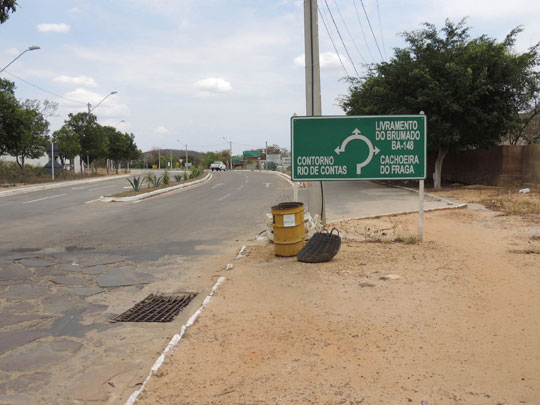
(472, 90)
(68, 142)
(7, 6)
(94, 141)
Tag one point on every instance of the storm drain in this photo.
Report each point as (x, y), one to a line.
(156, 308)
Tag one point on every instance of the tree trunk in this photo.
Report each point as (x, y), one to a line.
(441, 154)
(21, 163)
(117, 166)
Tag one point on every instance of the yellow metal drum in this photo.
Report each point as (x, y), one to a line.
(288, 226)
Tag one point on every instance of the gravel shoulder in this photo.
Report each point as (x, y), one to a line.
(458, 325)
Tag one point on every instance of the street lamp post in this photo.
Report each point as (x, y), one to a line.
(30, 48)
(90, 109)
(230, 152)
(185, 164)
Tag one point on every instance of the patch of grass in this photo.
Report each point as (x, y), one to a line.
(507, 200)
(526, 251)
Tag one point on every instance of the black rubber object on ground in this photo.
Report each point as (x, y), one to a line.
(322, 247)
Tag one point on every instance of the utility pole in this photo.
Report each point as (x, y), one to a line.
(170, 156)
(52, 159)
(159, 158)
(313, 95)
(185, 165)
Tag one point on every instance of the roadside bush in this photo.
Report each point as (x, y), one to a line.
(11, 173)
(166, 177)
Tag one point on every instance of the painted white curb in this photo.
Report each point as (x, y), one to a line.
(174, 342)
(152, 193)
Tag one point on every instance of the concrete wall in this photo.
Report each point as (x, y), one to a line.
(531, 164)
(499, 166)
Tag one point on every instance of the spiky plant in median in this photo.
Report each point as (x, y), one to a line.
(149, 178)
(166, 177)
(136, 183)
(178, 178)
(156, 181)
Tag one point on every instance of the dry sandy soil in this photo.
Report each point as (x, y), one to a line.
(459, 325)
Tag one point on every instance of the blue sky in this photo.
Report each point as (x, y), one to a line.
(193, 72)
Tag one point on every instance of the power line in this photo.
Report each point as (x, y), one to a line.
(380, 26)
(341, 38)
(371, 28)
(333, 44)
(362, 29)
(349, 32)
(42, 89)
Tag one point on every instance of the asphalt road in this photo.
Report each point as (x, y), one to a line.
(68, 264)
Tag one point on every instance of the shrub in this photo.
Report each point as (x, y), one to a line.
(166, 178)
(136, 183)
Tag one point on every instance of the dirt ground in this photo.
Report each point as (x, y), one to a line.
(456, 321)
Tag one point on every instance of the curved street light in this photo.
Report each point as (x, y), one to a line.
(30, 48)
(97, 105)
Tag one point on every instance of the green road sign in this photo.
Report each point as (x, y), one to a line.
(252, 154)
(382, 147)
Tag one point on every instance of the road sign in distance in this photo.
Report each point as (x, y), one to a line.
(382, 147)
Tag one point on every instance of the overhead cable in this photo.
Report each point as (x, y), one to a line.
(362, 29)
(341, 38)
(349, 32)
(42, 89)
(371, 28)
(333, 44)
(380, 26)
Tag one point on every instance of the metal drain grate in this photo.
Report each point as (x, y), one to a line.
(156, 308)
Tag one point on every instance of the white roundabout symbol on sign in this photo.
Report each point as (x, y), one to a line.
(358, 135)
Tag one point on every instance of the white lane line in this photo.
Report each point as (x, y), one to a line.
(99, 188)
(128, 187)
(44, 198)
(225, 196)
(241, 187)
(79, 188)
(91, 201)
(267, 184)
(217, 185)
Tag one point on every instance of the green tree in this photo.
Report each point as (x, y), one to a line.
(94, 141)
(472, 90)
(69, 144)
(7, 6)
(9, 107)
(30, 138)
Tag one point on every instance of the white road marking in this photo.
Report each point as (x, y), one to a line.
(99, 188)
(225, 196)
(267, 184)
(217, 185)
(79, 188)
(91, 201)
(241, 187)
(128, 187)
(44, 198)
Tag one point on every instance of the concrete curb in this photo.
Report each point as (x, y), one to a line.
(153, 193)
(174, 342)
(46, 186)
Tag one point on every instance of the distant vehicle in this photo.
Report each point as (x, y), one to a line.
(219, 166)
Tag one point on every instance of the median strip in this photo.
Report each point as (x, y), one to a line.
(155, 192)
